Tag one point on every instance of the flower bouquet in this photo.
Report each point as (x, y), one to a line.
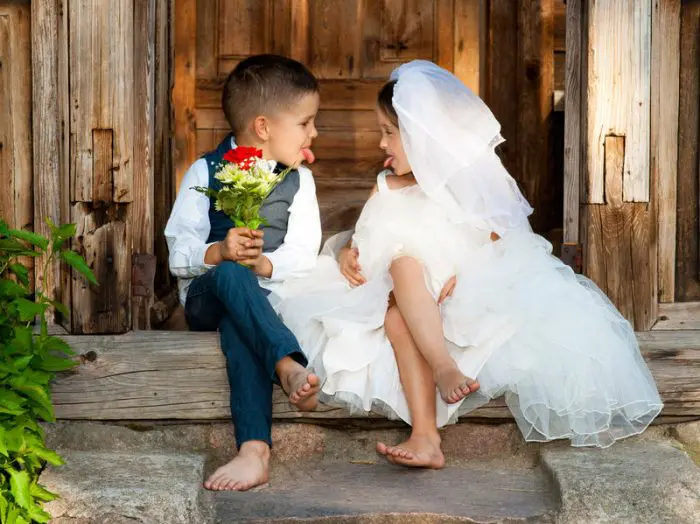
(246, 181)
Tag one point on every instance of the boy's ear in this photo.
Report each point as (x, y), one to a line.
(261, 126)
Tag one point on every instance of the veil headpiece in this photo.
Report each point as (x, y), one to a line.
(449, 136)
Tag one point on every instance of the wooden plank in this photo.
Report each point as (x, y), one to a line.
(680, 315)
(688, 214)
(164, 181)
(619, 56)
(467, 55)
(333, 31)
(535, 77)
(207, 40)
(159, 375)
(46, 135)
(665, 72)
(7, 143)
(104, 239)
(102, 165)
(573, 124)
(183, 93)
(560, 28)
(444, 32)
(501, 91)
(300, 37)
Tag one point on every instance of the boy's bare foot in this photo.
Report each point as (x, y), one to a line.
(248, 469)
(302, 388)
(453, 384)
(416, 452)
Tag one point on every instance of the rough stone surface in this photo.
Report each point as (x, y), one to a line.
(639, 480)
(385, 493)
(102, 487)
(689, 436)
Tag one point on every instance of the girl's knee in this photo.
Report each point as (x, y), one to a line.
(403, 265)
(394, 324)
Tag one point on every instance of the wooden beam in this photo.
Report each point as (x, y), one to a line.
(665, 93)
(574, 123)
(46, 137)
(679, 315)
(160, 375)
(618, 93)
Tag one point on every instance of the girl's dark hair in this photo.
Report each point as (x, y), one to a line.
(384, 101)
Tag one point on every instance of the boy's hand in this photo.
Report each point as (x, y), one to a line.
(242, 244)
(447, 289)
(350, 266)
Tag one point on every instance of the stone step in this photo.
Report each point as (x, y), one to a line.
(119, 475)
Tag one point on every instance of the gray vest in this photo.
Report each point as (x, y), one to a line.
(275, 208)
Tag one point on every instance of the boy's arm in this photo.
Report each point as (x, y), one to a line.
(188, 226)
(297, 255)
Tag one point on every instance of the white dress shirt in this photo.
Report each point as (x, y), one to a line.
(188, 229)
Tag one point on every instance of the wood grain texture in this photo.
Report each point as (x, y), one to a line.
(184, 87)
(535, 75)
(160, 375)
(467, 54)
(618, 94)
(46, 137)
(574, 123)
(679, 315)
(688, 215)
(665, 93)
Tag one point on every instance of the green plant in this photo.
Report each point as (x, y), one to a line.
(29, 358)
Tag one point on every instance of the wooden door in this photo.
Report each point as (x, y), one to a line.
(350, 45)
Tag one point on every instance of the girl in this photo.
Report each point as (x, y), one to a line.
(443, 281)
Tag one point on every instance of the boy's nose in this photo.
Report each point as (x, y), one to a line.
(314, 132)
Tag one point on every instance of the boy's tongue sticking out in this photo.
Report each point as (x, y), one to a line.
(308, 155)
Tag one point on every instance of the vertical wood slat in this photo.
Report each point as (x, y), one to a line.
(46, 133)
(687, 242)
(535, 76)
(163, 175)
(619, 56)
(665, 74)
(444, 33)
(467, 53)
(573, 123)
(184, 88)
(207, 41)
(299, 47)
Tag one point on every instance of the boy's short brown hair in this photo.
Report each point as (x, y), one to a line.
(261, 84)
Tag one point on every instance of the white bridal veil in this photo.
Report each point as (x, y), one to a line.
(449, 136)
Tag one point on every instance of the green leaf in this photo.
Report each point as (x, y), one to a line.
(49, 456)
(11, 400)
(38, 515)
(28, 310)
(60, 307)
(3, 507)
(33, 238)
(21, 363)
(3, 445)
(10, 289)
(66, 231)
(13, 513)
(22, 273)
(53, 363)
(19, 485)
(78, 263)
(36, 393)
(40, 492)
(53, 343)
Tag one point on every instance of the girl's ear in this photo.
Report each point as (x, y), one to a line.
(261, 126)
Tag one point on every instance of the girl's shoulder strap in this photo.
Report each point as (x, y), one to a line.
(382, 185)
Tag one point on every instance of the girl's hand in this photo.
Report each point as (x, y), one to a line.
(447, 289)
(350, 266)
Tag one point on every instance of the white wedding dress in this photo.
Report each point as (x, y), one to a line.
(519, 320)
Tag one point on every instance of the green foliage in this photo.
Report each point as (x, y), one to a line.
(28, 361)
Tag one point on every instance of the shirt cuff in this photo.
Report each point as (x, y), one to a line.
(278, 269)
(199, 254)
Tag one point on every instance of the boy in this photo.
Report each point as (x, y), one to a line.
(270, 103)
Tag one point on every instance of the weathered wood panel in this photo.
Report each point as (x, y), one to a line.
(46, 136)
(619, 57)
(183, 94)
(688, 215)
(679, 315)
(620, 254)
(181, 376)
(665, 71)
(535, 75)
(573, 125)
(467, 54)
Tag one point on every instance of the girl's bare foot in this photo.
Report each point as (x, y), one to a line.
(302, 388)
(453, 384)
(248, 469)
(416, 452)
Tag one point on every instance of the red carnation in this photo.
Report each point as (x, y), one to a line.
(242, 154)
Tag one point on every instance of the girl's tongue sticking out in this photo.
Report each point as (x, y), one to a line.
(388, 161)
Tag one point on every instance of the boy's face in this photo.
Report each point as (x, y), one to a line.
(293, 129)
(390, 143)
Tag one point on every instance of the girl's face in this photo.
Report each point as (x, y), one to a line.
(391, 145)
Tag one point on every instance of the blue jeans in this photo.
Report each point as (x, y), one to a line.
(253, 339)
